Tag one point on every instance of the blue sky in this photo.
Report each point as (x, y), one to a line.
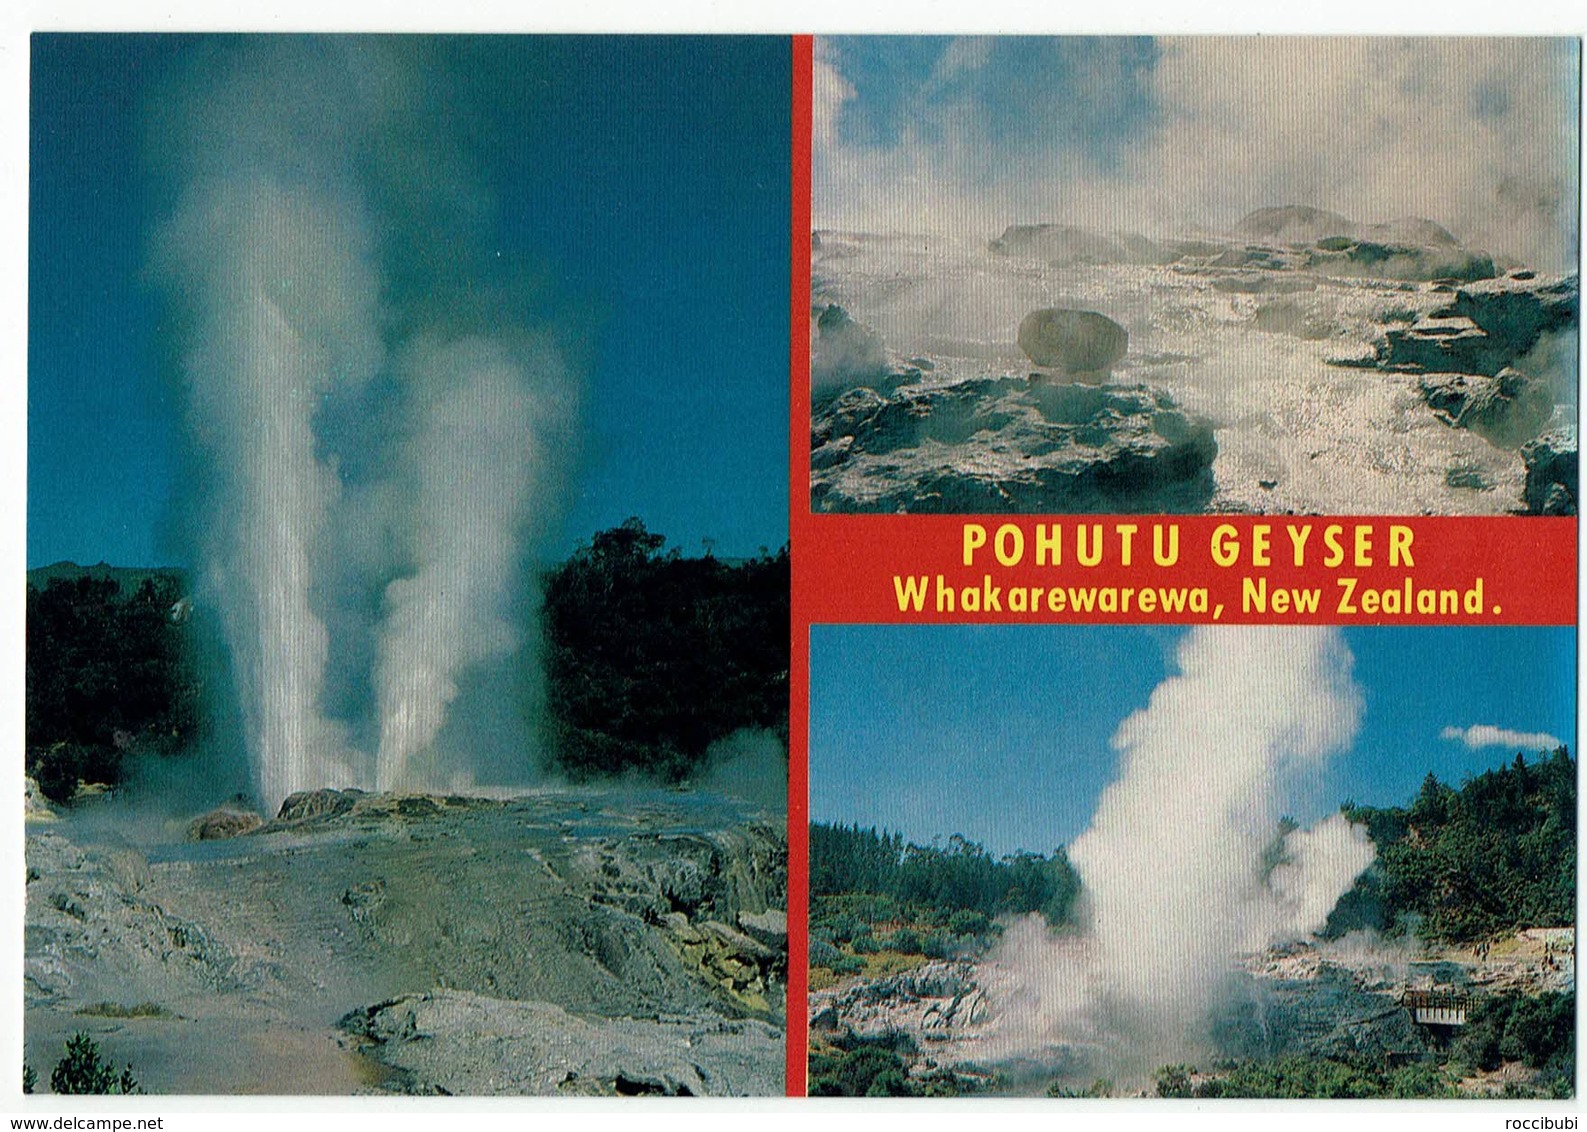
(1002, 733)
(638, 187)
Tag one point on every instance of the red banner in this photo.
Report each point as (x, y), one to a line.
(1194, 569)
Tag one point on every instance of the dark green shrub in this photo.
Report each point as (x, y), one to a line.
(82, 1072)
(1173, 1081)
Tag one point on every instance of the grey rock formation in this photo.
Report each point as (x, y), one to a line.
(1488, 327)
(1508, 408)
(769, 927)
(940, 1002)
(1010, 445)
(1552, 475)
(845, 353)
(459, 1043)
(622, 910)
(1074, 341)
(309, 804)
(1293, 224)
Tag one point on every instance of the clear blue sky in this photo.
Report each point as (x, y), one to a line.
(1002, 733)
(643, 181)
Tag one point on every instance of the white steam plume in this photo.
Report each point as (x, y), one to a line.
(1478, 134)
(282, 301)
(373, 433)
(1178, 867)
(474, 463)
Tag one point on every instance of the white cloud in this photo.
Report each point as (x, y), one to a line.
(1486, 735)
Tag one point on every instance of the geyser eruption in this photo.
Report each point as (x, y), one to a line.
(1183, 867)
(283, 308)
(321, 369)
(473, 475)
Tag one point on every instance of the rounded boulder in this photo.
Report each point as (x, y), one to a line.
(1072, 340)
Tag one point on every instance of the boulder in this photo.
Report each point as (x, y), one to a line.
(1075, 341)
(1293, 224)
(1064, 244)
(307, 804)
(223, 822)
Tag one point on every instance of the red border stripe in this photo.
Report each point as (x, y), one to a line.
(799, 520)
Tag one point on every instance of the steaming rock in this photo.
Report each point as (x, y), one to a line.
(1413, 230)
(1489, 327)
(1010, 445)
(1293, 224)
(1521, 308)
(845, 352)
(1075, 341)
(1507, 409)
(1552, 473)
(1245, 334)
(940, 1003)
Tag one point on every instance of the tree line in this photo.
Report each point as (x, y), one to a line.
(1465, 865)
(651, 657)
(872, 891)
(108, 672)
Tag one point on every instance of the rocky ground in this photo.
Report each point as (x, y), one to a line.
(1300, 363)
(1335, 999)
(566, 941)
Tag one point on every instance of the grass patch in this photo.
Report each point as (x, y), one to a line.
(880, 964)
(117, 1010)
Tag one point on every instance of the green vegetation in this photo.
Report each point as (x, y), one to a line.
(961, 886)
(1309, 1077)
(82, 1071)
(1101, 1087)
(1537, 1030)
(879, 1067)
(652, 657)
(119, 1010)
(875, 900)
(107, 672)
(1475, 863)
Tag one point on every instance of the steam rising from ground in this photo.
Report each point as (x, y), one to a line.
(1182, 869)
(1171, 135)
(372, 440)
